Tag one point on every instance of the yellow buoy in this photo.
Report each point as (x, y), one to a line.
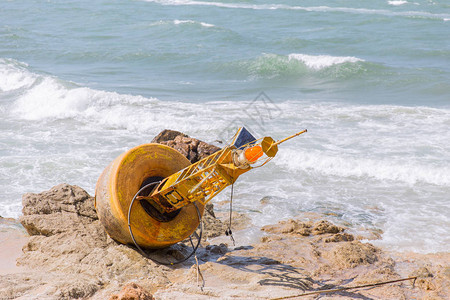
(152, 197)
(123, 178)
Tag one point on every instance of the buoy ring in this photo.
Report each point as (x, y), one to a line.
(119, 183)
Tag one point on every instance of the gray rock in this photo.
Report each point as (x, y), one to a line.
(192, 148)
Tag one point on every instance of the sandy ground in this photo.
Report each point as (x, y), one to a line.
(292, 258)
(12, 238)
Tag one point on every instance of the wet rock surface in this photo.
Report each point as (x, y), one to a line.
(297, 227)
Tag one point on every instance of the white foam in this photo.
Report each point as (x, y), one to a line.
(350, 10)
(318, 62)
(177, 22)
(397, 2)
(352, 157)
(218, 4)
(180, 22)
(355, 166)
(400, 145)
(51, 98)
(14, 75)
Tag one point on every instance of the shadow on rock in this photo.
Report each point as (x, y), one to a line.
(276, 273)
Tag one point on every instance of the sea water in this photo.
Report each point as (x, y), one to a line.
(83, 81)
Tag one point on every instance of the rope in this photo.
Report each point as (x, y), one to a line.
(199, 274)
(346, 288)
(228, 231)
(194, 247)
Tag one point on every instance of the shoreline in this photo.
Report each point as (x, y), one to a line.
(244, 265)
(66, 253)
(16, 234)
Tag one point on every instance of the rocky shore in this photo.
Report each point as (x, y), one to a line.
(63, 252)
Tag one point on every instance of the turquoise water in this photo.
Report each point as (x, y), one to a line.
(82, 81)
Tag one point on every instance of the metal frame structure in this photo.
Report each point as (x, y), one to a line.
(204, 179)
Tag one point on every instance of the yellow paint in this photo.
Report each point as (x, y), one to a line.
(119, 183)
(184, 184)
(204, 179)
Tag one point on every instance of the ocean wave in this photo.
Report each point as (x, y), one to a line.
(43, 96)
(218, 4)
(52, 99)
(180, 22)
(319, 62)
(347, 166)
(397, 2)
(351, 10)
(294, 65)
(400, 144)
(177, 22)
(47, 98)
(14, 75)
(352, 155)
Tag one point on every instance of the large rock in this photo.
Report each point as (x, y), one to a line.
(132, 291)
(78, 259)
(305, 228)
(58, 210)
(67, 238)
(192, 148)
(61, 198)
(353, 254)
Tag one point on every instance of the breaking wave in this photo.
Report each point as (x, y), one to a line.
(366, 11)
(298, 65)
(397, 2)
(352, 155)
(349, 166)
(181, 22)
(319, 62)
(14, 75)
(39, 97)
(177, 22)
